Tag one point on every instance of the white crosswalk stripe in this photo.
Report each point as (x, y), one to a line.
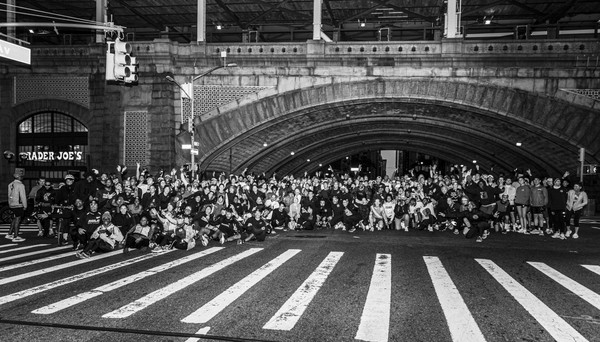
(35, 261)
(52, 285)
(180, 284)
(212, 308)
(593, 268)
(556, 326)
(290, 312)
(18, 277)
(460, 321)
(19, 256)
(77, 299)
(22, 248)
(377, 317)
(573, 286)
(9, 245)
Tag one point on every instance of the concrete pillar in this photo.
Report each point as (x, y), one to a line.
(201, 21)
(101, 18)
(317, 4)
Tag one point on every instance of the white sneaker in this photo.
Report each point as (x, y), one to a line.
(562, 237)
(222, 239)
(541, 232)
(568, 233)
(556, 235)
(18, 239)
(575, 236)
(9, 236)
(40, 233)
(204, 240)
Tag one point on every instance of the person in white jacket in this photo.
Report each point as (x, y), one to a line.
(576, 200)
(105, 238)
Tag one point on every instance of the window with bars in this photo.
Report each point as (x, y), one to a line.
(52, 142)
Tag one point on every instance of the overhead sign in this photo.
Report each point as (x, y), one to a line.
(15, 52)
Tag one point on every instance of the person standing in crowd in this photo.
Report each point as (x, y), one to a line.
(522, 200)
(539, 200)
(17, 201)
(31, 201)
(577, 199)
(557, 204)
(64, 202)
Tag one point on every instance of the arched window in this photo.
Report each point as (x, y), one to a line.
(51, 143)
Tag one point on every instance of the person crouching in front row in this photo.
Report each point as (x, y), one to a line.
(138, 236)
(104, 239)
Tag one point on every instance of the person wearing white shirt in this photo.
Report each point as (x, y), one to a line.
(576, 200)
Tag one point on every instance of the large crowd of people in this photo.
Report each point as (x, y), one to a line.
(156, 212)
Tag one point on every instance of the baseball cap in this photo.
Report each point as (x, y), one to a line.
(69, 176)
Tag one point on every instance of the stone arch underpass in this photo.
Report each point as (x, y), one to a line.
(456, 121)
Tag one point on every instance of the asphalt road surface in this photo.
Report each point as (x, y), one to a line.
(309, 286)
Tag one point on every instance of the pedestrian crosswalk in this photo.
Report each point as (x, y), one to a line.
(32, 271)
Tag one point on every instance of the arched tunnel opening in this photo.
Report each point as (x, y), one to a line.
(306, 139)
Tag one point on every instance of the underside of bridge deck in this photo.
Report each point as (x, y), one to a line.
(296, 131)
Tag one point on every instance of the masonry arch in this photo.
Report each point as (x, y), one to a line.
(51, 138)
(464, 121)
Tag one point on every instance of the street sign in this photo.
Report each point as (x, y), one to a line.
(15, 52)
(195, 151)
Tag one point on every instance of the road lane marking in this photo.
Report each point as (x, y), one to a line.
(202, 331)
(99, 256)
(461, 323)
(77, 277)
(79, 298)
(593, 268)
(9, 245)
(23, 248)
(35, 261)
(375, 320)
(151, 298)
(215, 306)
(33, 253)
(289, 314)
(556, 326)
(570, 284)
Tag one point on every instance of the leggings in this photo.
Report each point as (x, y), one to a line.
(558, 220)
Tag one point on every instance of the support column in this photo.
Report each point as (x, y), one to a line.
(317, 5)
(201, 21)
(101, 18)
(452, 22)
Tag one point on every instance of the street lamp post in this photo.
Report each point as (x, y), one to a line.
(190, 86)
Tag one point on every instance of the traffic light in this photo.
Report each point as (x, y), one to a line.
(122, 60)
(110, 62)
(120, 65)
(133, 69)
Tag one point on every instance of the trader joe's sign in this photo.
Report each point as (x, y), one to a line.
(50, 156)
